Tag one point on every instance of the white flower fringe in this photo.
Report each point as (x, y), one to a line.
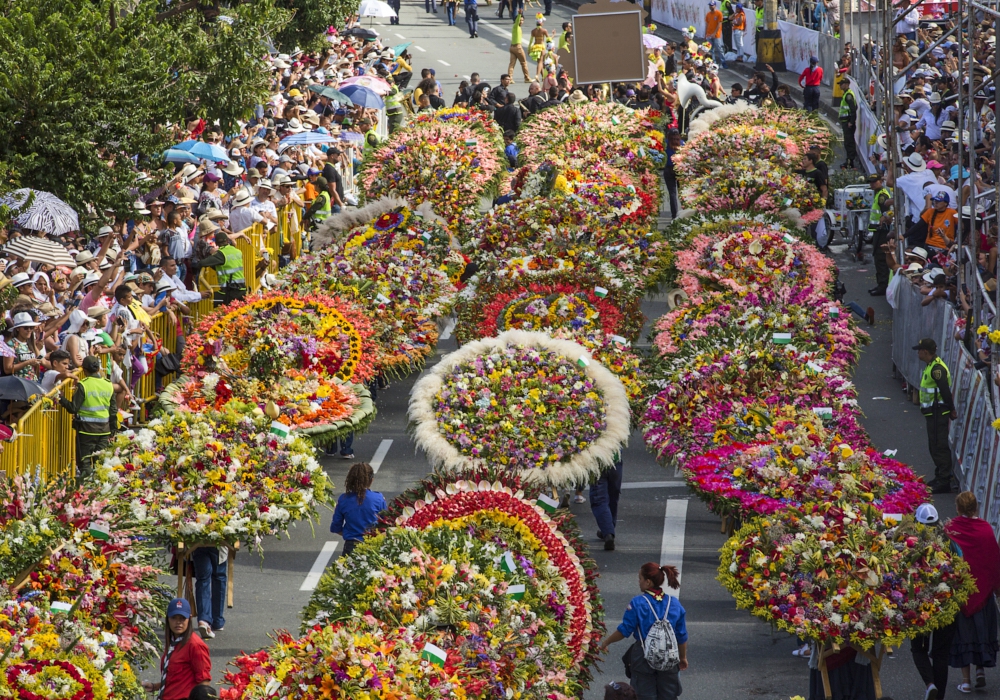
(706, 119)
(580, 467)
(327, 232)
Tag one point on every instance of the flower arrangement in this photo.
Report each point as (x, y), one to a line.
(263, 336)
(56, 655)
(750, 260)
(616, 354)
(702, 152)
(576, 300)
(753, 184)
(538, 406)
(797, 129)
(213, 477)
(72, 546)
(543, 224)
(841, 574)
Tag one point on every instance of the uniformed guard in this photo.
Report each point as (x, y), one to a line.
(938, 408)
(879, 228)
(96, 413)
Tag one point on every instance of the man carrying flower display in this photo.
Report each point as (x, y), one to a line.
(937, 406)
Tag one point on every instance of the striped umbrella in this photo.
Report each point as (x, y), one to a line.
(44, 211)
(39, 250)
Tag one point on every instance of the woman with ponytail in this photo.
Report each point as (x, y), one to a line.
(358, 507)
(651, 605)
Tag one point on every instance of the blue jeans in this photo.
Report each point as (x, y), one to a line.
(430, 5)
(604, 498)
(717, 52)
(856, 308)
(451, 14)
(210, 586)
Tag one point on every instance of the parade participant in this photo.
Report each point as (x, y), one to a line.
(931, 651)
(96, 413)
(539, 37)
(739, 23)
(975, 642)
(185, 662)
(881, 203)
(713, 32)
(810, 80)
(604, 496)
(358, 507)
(516, 50)
(643, 611)
(937, 407)
(848, 117)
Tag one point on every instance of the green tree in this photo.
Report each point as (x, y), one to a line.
(310, 21)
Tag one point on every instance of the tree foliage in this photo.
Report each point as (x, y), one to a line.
(85, 86)
(310, 21)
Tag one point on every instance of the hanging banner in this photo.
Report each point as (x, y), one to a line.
(867, 130)
(799, 44)
(681, 14)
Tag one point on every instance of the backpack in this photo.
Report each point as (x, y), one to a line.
(660, 645)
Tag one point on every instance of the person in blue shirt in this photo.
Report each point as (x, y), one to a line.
(510, 148)
(642, 611)
(358, 507)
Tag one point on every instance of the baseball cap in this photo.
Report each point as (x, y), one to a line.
(939, 197)
(927, 344)
(92, 364)
(926, 514)
(178, 606)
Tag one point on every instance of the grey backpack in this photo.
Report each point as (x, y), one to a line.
(660, 645)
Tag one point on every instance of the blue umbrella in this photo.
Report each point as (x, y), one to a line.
(400, 48)
(351, 136)
(304, 139)
(175, 155)
(363, 97)
(208, 151)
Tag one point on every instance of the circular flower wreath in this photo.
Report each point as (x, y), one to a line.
(700, 154)
(393, 226)
(537, 306)
(799, 464)
(543, 224)
(702, 393)
(540, 407)
(753, 259)
(839, 574)
(52, 679)
(801, 128)
(312, 332)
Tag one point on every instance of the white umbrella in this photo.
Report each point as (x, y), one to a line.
(39, 250)
(375, 8)
(651, 41)
(45, 211)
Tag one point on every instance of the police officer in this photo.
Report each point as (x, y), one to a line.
(878, 226)
(96, 413)
(937, 406)
(228, 261)
(849, 121)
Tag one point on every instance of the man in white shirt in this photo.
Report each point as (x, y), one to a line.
(263, 205)
(920, 104)
(167, 279)
(242, 216)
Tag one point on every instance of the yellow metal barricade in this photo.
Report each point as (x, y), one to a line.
(45, 439)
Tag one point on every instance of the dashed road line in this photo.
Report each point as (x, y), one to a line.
(380, 453)
(672, 545)
(319, 566)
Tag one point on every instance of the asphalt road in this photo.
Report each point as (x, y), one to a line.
(731, 654)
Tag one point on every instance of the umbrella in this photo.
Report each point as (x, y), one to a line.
(374, 83)
(375, 8)
(304, 139)
(40, 250)
(651, 41)
(330, 92)
(176, 155)
(351, 136)
(18, 389)
(363, 97)
(361, 33)
(400, 48)
(208, 151)
(45, 211)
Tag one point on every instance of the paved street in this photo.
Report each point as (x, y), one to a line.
(731, 654)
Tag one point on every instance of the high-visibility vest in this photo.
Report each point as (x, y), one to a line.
(94, 415)
(759, 12)
(232, 269)
(325, 210)
(845, 108)
(393, 101)
(929, 393)
(370, 136)
(876, 213)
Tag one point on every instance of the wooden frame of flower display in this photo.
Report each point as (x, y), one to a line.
(557, 448)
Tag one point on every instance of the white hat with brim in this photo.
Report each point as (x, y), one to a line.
(21, 279)
(105, 231)
(140, 208)
(232, 168)
(242, 198)
(915, 162)
(917, 252)
(23, 320)
(91, 279)
(935, 98)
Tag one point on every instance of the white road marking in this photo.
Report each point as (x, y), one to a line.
(319, 566)
(399, 35)
(672, 546)
(448, 329)
(499, 31)
(444, 63)
(677, 470)
(380, 453)
(653, 485)
(420, 48)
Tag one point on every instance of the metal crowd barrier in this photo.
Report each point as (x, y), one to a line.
(45, 441)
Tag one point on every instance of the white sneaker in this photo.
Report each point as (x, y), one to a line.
(932, 692)
(205, 630)
(579, 499)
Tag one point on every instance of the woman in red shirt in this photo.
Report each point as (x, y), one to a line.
(185, 663)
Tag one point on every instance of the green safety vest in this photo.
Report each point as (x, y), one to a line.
(726, 9)
(393, 101)
(369, 136)
(928, 387)
(845, 109)
(325, 210)
(759, 13)
(94, 415)
(876, 213)
(231, 270)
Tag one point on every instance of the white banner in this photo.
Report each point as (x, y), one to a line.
(867, 130)
(681, 14)
(799, 44)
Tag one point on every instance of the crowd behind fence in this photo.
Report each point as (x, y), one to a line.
(45, 441)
